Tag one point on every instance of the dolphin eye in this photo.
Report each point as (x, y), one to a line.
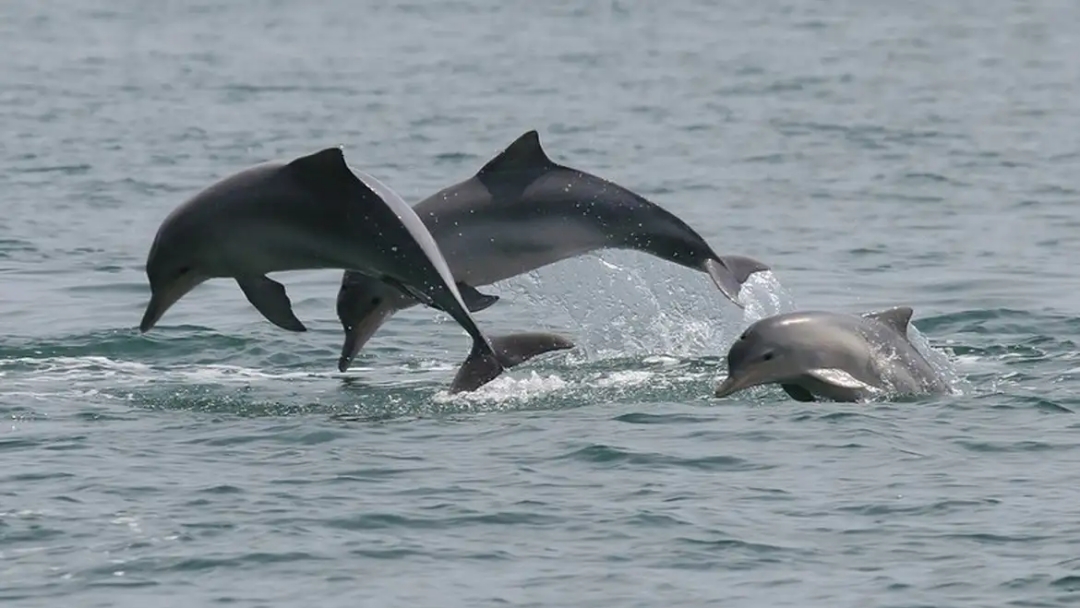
(767, 357)
(183, 271)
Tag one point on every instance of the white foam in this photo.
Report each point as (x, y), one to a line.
(664, 360)
(506, 388)
(623, 378)
(83, 376)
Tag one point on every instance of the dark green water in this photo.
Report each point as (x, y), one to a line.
(875, 153)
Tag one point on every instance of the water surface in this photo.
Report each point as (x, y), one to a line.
(875, 153)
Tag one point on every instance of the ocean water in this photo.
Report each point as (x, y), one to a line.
(873, 153)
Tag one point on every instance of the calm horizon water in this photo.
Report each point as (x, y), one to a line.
(875, 154)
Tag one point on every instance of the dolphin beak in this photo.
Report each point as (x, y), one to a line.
(733, 384)
(360, 329)
(163, 299)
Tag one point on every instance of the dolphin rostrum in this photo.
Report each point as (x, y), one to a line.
(523, 211)
(315, 212)
(841, 357)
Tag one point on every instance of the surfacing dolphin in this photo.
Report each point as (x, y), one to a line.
(841, 357)
(523, 211)
(315, 212)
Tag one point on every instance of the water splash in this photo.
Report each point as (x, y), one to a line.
(939, 360)
(622, 304)
(763, 296)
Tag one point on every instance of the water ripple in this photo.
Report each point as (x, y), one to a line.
(873, 154)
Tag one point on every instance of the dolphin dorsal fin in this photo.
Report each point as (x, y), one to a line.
(896, 318)
(320, 162)
(325, 170)
(525, 153)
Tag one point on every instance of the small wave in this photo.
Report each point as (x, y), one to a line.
(608, 455)
(92, 369)
(643, 418)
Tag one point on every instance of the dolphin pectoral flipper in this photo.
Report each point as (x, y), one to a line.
(269, 298)
(725, 280)
(838, 377)
(483, 364)
(474, 300)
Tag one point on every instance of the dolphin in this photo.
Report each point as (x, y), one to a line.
(523, 211)
(842, 357)
(315, 212)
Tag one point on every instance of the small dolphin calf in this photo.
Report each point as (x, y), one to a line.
(523, 211)
(841, 357)
(314, 212)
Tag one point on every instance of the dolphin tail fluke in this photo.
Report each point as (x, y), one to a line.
(481, 366)
(725, 279)
(516, 349)
(742, 267)
(485, 364)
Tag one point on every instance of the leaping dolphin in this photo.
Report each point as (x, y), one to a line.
(523, 211)
(310, 213)
(842, 357)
